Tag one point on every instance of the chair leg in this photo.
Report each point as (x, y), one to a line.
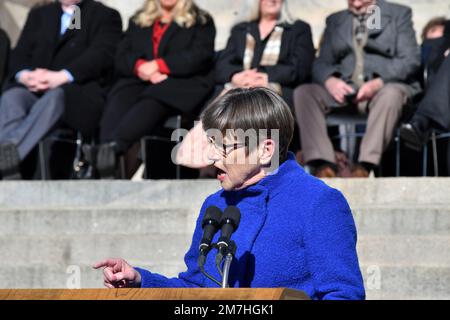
(122, 168)
(397, 154)
(425, 161)
(435, 155)
(43, 160)
(178, 167)
(78, 153)
(144, 156)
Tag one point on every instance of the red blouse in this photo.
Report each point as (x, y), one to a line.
(158, 32)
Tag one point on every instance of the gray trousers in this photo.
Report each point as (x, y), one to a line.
(312, 103)
(26, 118)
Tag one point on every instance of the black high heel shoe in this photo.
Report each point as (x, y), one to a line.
(108, 160)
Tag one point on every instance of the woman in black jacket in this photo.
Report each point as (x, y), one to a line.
(269, 50)
(164, 64)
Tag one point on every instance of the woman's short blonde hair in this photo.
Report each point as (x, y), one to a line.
(252, 12)
(187, 13)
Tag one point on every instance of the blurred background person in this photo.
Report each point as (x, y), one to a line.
(270, 49)
(56, 72)
(433, 111)
(164, 65)
(435, 46)
(367, 70)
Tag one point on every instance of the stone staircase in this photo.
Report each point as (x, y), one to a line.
(52, 232)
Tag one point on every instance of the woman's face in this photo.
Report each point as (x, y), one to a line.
(271, 7)
(168, 4)
(435, 32)
(359, 7)
(238, 169)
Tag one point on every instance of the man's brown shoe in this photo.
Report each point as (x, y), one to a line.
(325, 172)
(360, 171)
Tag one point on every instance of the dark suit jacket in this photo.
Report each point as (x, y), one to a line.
(295, 60)
(4, 52)
(391, 53)
(189, 54)
(87, 53)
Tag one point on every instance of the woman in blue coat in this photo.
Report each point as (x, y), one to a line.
(295, 231)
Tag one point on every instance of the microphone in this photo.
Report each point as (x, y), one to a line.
(229, 223)
(227, 248)
(210, 225)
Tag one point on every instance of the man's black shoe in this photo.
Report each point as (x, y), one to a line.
(413, 137)
(9, 162)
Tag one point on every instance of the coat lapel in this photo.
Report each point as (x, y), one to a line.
(385, 19)
(345, 28)
(165, 39)
(70, 33)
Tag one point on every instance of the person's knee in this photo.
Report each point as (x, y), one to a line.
(304, 94)
(13, 95)
(392, 92)
(54, 97)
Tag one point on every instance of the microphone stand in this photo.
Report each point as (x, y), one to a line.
(230, 252)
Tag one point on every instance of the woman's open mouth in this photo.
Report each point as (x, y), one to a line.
(221, 175)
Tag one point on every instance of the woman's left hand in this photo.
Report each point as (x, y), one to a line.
(158, 77)
(259, 79)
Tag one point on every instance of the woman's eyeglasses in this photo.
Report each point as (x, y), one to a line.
(223, 149)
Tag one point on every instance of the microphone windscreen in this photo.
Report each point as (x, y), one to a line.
(233, 214)
(212, 214)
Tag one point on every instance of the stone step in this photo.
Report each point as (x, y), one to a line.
(394, 282)
(404, 250)
(405, 220)
(373, 220)
(406, 282)
(79, 221)
(87, 249)
(359, 192)
(63, 194)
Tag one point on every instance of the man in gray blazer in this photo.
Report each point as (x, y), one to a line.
(368, 63)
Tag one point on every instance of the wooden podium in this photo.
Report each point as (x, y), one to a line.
(154, 294)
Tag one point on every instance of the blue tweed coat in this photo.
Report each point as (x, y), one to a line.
(295, 232)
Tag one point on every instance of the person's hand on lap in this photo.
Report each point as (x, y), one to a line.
(338, 89)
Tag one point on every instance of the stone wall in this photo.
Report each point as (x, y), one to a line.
(227, 12)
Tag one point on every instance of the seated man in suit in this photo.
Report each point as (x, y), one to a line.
(4, 51)
(63, 58)
(368, 62)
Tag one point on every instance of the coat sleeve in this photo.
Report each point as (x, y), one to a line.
(330, 243)
(99, 56)
(229, 62)
(297, 68)
(21, 56)
(406, 61)
(192, 277)
(326, 64)
(199, 56)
